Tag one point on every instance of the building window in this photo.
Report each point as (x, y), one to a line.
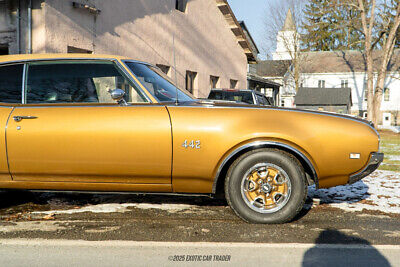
(386, 94)
(4, 50)
(164, 68)
(344, 84)
(233, 84)
(190, 81)
(180, 5)
(321, 83)
(72, 49)
(214, 82)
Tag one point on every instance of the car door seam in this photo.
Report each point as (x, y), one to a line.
(172, 146)
(6, 145)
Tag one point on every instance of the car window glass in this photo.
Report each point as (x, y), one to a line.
(260, 100)
(77, 82)
(11, 83)
(267, 101)
(217, 95)
(245, 97)
(158, 84)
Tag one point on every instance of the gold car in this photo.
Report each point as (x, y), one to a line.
(108, 123)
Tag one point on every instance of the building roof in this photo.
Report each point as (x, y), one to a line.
(273, 68)
(342, 61)
(327, 62)
(323, 96)
(256, 78)
(249, 37)
(289, 24)
(237, 30)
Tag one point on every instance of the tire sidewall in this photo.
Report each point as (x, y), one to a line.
(294, 172)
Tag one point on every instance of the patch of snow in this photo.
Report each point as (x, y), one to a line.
(388, 146)
(393, 157)
(395, 129)
(167, 207)
(103, 229)
(116, 207)
(395, 234)
(47, 226)
(380, 191)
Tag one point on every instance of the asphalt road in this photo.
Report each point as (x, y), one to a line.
(128, 253)
(181, 219)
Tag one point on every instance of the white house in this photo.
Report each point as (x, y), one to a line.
(276, 70)
(331, 69)
(347, 69)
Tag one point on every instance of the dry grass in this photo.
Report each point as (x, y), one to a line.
(390, 145)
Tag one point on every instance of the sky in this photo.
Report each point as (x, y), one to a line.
(252, 12)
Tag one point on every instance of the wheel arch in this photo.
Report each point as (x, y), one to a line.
(306, 163)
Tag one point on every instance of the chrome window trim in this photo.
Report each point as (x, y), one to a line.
(137, 61)
(144, 63)
(258, 144)
(23, 87)
(122, 68)
(154, 66)
(255, 100)
(113, 60)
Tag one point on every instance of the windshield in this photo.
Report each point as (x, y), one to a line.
(157, 83)
(238, 96)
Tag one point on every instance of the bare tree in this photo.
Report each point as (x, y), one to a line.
(380, 22)
(277, 16)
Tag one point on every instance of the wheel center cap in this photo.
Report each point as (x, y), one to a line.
(266, 188)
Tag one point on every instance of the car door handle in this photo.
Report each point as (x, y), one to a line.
(20, 118)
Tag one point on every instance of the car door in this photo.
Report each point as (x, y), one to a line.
(10, 95)
(69, 129)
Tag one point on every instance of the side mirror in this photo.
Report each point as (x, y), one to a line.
(118, 95)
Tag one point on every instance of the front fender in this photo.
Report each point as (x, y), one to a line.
(325, 140)
(252, 145)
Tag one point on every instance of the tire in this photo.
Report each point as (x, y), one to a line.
(258, 196)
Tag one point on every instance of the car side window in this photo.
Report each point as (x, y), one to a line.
(267, 101)
(260, 100)
(11, 83)
(217, 95)
(77, 82)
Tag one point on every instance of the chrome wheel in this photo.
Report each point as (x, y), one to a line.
(266, 188)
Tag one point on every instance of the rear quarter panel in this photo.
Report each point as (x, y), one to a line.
(326, 141)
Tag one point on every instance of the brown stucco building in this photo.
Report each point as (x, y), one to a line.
(202, 38)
